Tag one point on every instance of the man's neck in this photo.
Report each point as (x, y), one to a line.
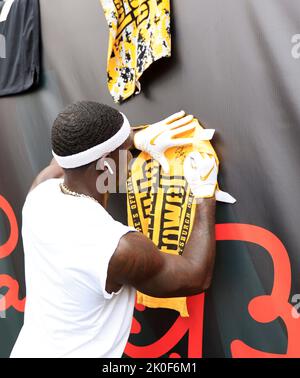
(81, 187)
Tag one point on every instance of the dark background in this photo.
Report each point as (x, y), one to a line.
(232, 68)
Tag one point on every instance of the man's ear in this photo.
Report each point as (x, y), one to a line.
(104, 164)
(110, 170)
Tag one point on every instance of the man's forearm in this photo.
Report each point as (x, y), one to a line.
(201, 246)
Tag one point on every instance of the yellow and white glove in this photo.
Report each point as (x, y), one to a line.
(201, 173)
(158, 137)
(205, 147)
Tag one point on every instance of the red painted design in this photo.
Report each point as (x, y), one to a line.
(267, 308)
(263, 308)
(193, 325)
(8, 247)
(11, 298)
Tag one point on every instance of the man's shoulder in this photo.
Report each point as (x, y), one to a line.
(50, 184)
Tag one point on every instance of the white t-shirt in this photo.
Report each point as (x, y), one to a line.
(68, 242)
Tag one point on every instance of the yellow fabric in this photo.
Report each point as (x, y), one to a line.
(166, 214)
(139, 35)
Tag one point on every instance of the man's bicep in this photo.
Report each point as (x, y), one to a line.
(135, 260)
(138, 262)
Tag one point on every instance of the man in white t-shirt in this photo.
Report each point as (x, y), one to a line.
(82, 267)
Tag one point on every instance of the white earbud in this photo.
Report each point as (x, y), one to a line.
(110, 170)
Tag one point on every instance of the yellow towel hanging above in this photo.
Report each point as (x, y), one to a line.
(139, 34)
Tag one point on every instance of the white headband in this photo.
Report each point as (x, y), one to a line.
(96, 152)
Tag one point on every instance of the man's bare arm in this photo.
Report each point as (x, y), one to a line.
(52, 171)
(138, 262)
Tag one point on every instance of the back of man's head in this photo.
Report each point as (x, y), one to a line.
(83, 125)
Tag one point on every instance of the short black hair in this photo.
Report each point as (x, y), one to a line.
(83, 125)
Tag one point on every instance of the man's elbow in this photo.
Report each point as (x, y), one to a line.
(203, 285)
(196, 287)
(207, 284)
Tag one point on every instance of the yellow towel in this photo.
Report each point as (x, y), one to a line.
(162, 207)
(139, 34)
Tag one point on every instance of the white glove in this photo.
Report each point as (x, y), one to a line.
(201, 173)
(160, 136)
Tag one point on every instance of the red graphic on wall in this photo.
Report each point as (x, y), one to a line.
(193, 324)
(11, 298)
(263, 309)
(267, 308)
